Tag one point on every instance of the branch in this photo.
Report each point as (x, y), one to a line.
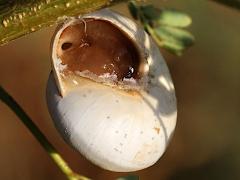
(52, 152)
(21, 17)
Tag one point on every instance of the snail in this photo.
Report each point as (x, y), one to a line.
(110, 94)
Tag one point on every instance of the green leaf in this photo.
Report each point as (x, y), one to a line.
(174, 39)
(150, 12)
(168, 17)
(133, 9)
(172, 47)
(129, 177)
(174, 18)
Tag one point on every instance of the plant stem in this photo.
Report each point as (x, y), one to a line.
(147, 27)
(153, 35)
(60, 162)
(20, 17)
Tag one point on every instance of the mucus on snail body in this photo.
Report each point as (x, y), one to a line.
(110, 94)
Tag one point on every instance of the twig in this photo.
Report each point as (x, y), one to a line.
(52, 152)
(20, 17)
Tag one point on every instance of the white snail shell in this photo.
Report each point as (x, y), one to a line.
(124, 126)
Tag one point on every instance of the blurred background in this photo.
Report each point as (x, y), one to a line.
(206, 143)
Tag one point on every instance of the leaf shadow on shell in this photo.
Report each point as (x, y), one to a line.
(161, 90)
(160, 87)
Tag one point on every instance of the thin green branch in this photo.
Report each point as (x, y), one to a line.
(149, 29)
(60, 162)
(153, 35)
(20, 17)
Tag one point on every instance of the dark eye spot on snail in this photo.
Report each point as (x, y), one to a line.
(66, 46)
